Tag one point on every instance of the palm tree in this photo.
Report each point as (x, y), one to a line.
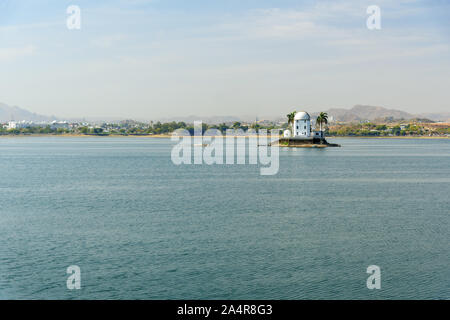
(291, 117)
(322, 119)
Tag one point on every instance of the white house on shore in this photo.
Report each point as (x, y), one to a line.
(302, 129)
(19, 124)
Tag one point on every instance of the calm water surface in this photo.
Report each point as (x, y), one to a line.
(142, 228)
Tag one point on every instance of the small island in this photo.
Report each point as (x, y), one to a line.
(301, 134)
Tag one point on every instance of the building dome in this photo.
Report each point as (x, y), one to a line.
(302, 116)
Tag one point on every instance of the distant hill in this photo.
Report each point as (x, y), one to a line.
(355, 114)
(8, 113)
(441, 117)
(362, 112)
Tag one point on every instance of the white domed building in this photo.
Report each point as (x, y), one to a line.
(301, 127)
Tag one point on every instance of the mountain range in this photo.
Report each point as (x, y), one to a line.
(357, 113)
(364, 112)
(8, 113)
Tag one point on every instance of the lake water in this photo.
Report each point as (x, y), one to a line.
(140, 227)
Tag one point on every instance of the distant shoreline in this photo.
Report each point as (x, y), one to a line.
(69, 135)
(159, 136)
(384, 137)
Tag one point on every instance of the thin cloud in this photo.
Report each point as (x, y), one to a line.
(108, 41)
(7, 54)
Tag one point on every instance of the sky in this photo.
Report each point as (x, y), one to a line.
(150, 59)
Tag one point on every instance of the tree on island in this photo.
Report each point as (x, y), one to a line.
(291, 117)
(322, 119)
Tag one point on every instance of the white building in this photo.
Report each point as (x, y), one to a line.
(11, 125)
(60, 125)
(302, 127)
(287, 133)
(19, 124)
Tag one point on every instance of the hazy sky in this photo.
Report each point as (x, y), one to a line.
(149, 59)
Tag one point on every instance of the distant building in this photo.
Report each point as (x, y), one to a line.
(19, 124)
(11, 125)
(59, 125)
